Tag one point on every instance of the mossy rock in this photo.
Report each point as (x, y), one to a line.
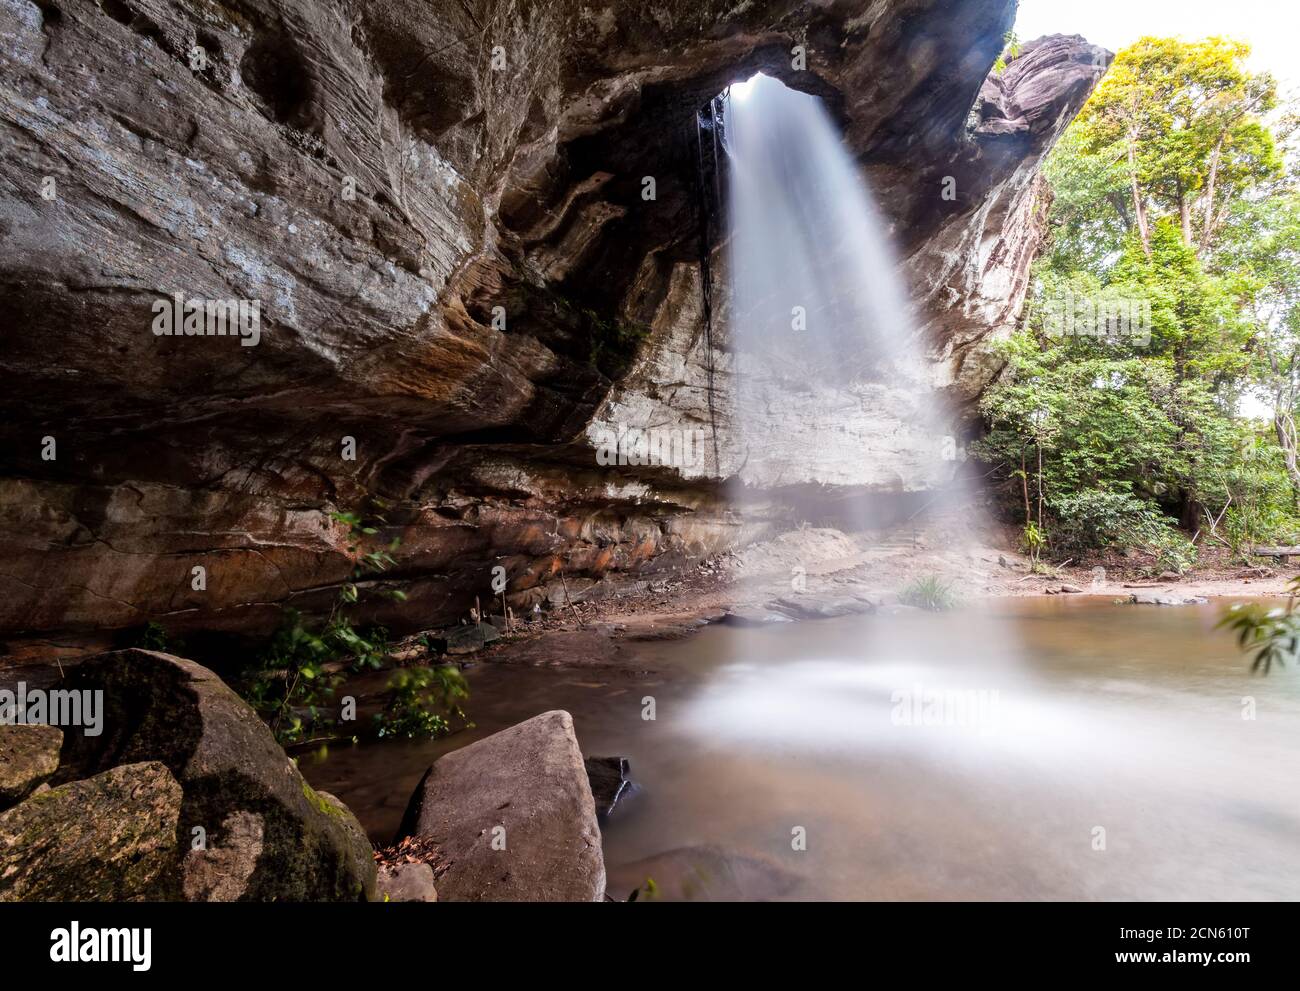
(111, 837)
(29, 755)
(256, 816)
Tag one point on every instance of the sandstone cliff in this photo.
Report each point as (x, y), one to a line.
(438, 207)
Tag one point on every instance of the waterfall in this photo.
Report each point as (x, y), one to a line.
(830, 386)
(813, 277)
(835, 407)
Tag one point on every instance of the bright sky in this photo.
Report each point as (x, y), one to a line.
(1270, 27)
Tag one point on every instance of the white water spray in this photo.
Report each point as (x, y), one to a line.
(814, 280)
(831, 387)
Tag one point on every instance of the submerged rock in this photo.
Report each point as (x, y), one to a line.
(1146, 599)
(610, 782)
(267, 835)
(587, 648)
(703, 873)
(811, 607)
(111, 837)
(468, 639)
(754, 616)
(29, 755)
(513, 817)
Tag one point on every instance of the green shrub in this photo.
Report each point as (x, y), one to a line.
(1095, 519)
(295, 677)
(152, 636)
(929, 592)
(422, 701)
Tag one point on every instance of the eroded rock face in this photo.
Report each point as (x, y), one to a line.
(513, 817)
(438, 208)
(968, 210)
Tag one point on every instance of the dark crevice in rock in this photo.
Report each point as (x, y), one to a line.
(275, 70)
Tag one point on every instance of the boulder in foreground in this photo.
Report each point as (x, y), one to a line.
(267, 835)
(108, 838)
(513, 817)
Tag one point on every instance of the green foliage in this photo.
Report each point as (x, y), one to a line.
(648, 892)
(1089, 213)
(154, 637)
(1186, 121)
(1095, 518)
(1011, 47)
(1170, 189)
(613, 344)
(292, 685)
(293, 681)
(1105, 422)
(1272, 635)
(929, 592)
(422, 700)
(1034, 541)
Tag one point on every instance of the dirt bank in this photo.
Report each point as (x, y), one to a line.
(820, 572)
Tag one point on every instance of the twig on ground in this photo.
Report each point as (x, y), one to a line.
(570, 601)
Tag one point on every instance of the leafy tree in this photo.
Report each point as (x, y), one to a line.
(1185, 121)
(1170, 196)
(1262, 244)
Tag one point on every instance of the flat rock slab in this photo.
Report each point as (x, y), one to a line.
(813, 607)
(29, 755)
(513, 816)
(754, 616)
(407, 883)
(1168, 600)
(107, 838)
(468, 639)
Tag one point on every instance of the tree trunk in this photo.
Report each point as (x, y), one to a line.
(1185, 216)
(1207, 231)
(1120, 204)
(1285, 427)
(1024, 487)
(1139, 210)
(1040, 486)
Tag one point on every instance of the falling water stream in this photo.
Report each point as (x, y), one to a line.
(831, 386)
